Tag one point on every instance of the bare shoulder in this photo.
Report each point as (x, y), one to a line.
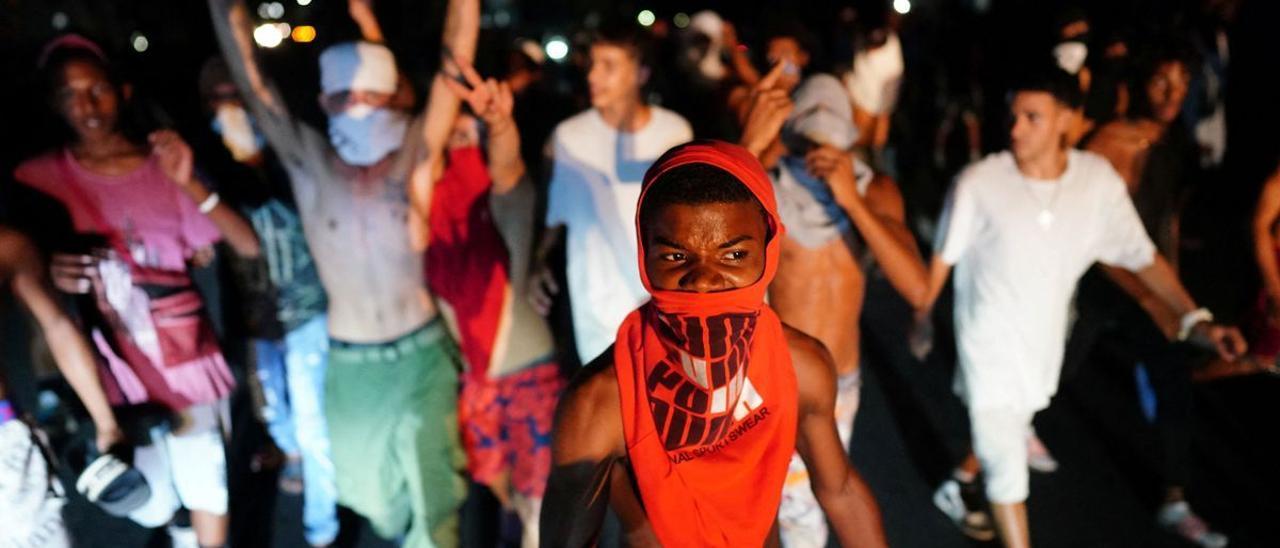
(589, 415)
(815, 369)
(594, 383)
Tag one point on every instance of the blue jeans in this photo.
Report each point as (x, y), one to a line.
(291, 373)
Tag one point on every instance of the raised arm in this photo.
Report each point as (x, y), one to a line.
(361, 12)
(586, 444)
(844, 496)
(175, 159)
(880, 218)
(493, 102)
(458, 47)
(234, 30)
(70, 349)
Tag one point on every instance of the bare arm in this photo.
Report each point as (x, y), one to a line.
(586, 444)
(458, 41)
(842, 493)
(1160, 279)
(1264, 243)
(234, 30)
(361, 12)
(939, 271)
(880, 218)
(70, 349)
(493, 101)
(768, 107)
(175, 159)
(1164, 317)
(461, 30)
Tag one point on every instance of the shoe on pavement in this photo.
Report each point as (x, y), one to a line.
(1039, 458)
(1178, 518)
(963, 503)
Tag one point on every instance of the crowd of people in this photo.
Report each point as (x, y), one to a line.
(397, 276)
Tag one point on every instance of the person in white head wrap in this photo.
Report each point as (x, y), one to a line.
(708, 62)
(824, 193)
(357, 80)
(391, 381)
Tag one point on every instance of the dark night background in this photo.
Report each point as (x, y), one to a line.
(910, 428)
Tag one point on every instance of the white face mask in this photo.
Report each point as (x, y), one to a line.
(877, 74)
(363, 135)
(1071, 55)
(238, 133)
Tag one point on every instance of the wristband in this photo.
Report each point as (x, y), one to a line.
(209, 203)
(1191, 319)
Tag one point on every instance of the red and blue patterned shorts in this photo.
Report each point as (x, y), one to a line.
(506, 426)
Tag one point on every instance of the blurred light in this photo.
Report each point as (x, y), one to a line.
(902, 6)
(502, 18)
(60, 20)
(557, 48)
(275, 10)
(285, 30)
(681, 20)
(304, 33)
(646, 18)
(140, 42)
(264, 11)
(304, 3)
(267, 35)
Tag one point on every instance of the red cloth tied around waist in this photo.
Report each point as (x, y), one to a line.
(708, 392)
(466, 258)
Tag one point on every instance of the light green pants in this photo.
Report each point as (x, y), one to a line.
(392, 412)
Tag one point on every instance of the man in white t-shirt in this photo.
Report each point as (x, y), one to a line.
(599, 158)
(1021, 227)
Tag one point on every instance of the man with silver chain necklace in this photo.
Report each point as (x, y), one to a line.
(1021, 227)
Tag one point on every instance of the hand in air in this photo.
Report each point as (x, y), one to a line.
(770, 106)
(490, 99)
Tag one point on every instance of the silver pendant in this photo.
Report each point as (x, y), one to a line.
(1045, 218)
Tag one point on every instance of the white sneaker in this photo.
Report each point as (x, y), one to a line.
(963, 504)
(182, 536)
(1038, 456)
(1178, 518)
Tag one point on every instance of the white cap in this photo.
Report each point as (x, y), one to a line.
(363, 66)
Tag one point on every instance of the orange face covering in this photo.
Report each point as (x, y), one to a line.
(708, 392)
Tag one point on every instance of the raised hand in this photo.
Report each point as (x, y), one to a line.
(770, 105)
(836, 168)
(490, 99)
(173, 155)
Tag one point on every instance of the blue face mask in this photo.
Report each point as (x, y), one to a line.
(238, 131)
(363, 135)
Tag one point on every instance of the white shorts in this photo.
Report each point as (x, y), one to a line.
(1000, 443)
(185, 466)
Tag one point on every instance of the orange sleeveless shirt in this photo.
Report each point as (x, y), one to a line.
(708, 392)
